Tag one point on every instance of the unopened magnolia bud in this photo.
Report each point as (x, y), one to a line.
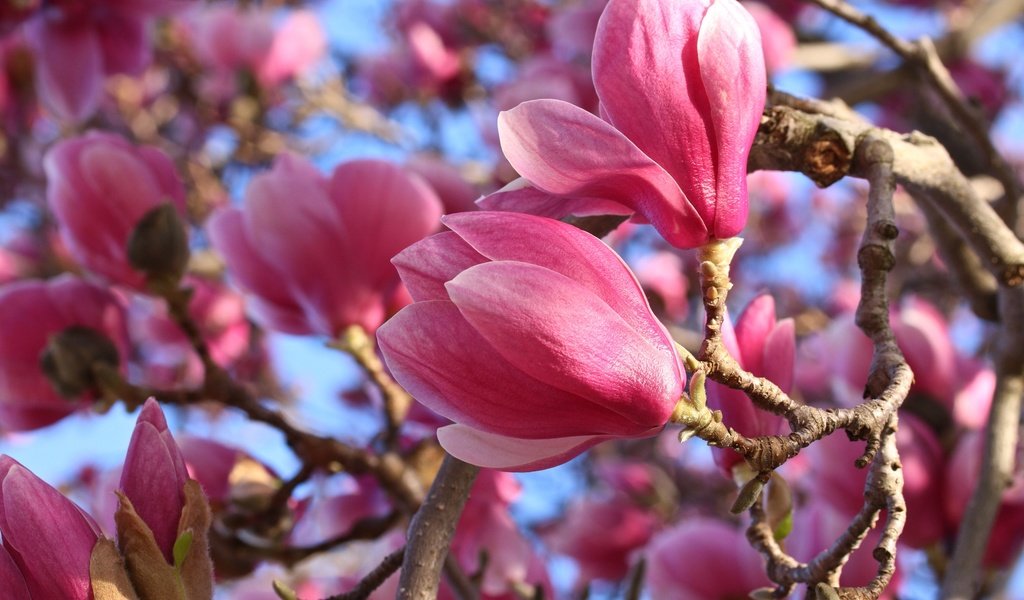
(765, 593)
(70, 356)
(823, 591)
(158, 246)
(748, 495)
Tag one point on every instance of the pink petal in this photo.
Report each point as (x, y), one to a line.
(272, 305)
(647, 74)
(558, 331)
(732, 68)
(435, 354)
(752, 329)
(569, 251)
(383, 210)
(153, 482)
(563, 149)
(780, 355)
(533, 201)
(48, 536)
(69, 67)
(427, 265)
(495, 451)
(124, 40)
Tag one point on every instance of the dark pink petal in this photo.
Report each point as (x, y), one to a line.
(647, 74)
(403, 210)
(46, 534)
(569, 251)
(69, 67)
(433, 352)
(780, 355)
(124, 40)
(11, 580)
(558, 331)
(563, 149)
(732, 68)
(752, 329)
(533, 201)
(430, 263)
(495, 451)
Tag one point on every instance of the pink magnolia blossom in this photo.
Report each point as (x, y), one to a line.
(99, 186)
(154, 476)
(816, 526)
(47, 537)
(30, 313)
(836, 481)
(767, 348)
(78, 44)
(314, 253)
(226, 38)
(547, 343)
(961, 479)
(703, 559)
(601, 535)
(682, 88)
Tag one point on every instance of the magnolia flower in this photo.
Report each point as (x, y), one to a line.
(31, 314)
(533, 336)
(314, 254)
(99, 186)
(682, 88)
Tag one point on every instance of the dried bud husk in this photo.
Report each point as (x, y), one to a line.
(70, 356)
(107, 573)
(158, 246)
(191, 578)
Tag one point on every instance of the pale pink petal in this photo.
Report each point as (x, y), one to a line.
(563, 149)
(297, 46)
(271, 302)
(495, 451)
(11, 580)
(569, 251)
(732, 68)
(69, 67)
(531, 315)
(444, 363)
(427, 265)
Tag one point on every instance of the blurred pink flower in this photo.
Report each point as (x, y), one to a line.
(661, 275)
(30, 313)
(962, 478)
(547, 341)
(703, 559)
(601, 535)
(694, 68)
(47, 537)
(777, 37)
(456, 194)
(298, 44)
(767, 348)
(314, 254)
(78, 44)
(99, 186)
